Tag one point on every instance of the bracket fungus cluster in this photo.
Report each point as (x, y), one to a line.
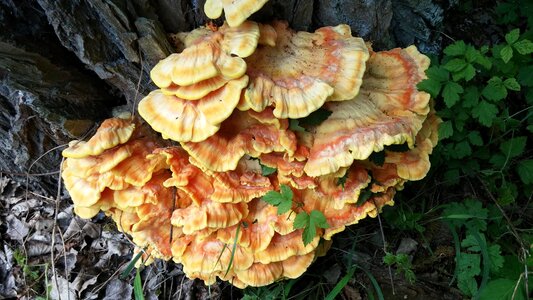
(237, 101)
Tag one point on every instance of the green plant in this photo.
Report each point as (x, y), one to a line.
(309, 222)
(480, 266)
(485, 98)
(402, 263)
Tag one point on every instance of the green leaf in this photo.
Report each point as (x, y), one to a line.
(301, 220)
(467, 73)
(470, 97)
(524, 76)
(137, 286)
(500, 289)
(294, 125)
(310, 222)
(462, 149)
(282, 200)
(430, 86)
(438, 73)
(511, 84)
(512, 36)
(498, 160)
(471, 54)
(451, 92)
(468, 266)
(455, 65)
(496, 258)
(506, 53)
(513, 147)
(316, 117)
(495, 89)
(475, 138)
(525, 171)
(130, 266)
(308, 234)
(524, 47)
(445, 130)
(363, 197)
(485, 113)
(456, 49)
(484, 62)
(265, 170)
(317, 218)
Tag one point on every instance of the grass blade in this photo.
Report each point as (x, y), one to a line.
(137, 286)
(233, 249)
(130, 266)
(375, 284)
(341, 284)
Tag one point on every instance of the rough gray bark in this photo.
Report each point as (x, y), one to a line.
(65, 64)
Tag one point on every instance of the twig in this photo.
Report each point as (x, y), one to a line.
(58, 197)
(385, 251)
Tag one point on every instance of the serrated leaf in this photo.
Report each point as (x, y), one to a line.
(506, 53)
(430, 86)
(495, 89)
(471, 54)
(301, 220)
(445, 130)
(506, 194)
(525, 171)
(282, 200)
(315, 118)
(439, 73)
(475, 138)
(466, 73)
(483, 61)
(308, 234)
(317, 218)
(470, 97)
(498, 160)
(468, 266)
(455, 65)
(485, 113)
(496, 258)
(511, 84)
(513, 147)
(512, 36)
(456, 49)
(524, 47)
(451, 92)
(462, 149)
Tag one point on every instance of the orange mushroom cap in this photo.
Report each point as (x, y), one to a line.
(211, 255)
(182, 120)
(391, 78)
(256, 230)
(243, 133)
(112, 132)
(304, 70)
(236, 11)
(354, 130)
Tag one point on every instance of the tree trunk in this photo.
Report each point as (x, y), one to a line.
(66, 64)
